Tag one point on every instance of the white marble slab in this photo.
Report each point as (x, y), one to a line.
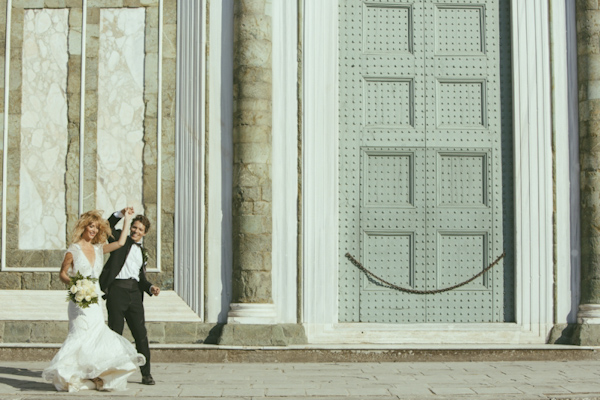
(42, 213)
(51, 305)
(120, 109)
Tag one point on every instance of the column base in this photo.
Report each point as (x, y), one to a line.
(252, 313)
(588, 314)
(587, 332)
(563, 334)
(262, 335)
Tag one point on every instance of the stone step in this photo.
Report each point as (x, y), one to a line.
(159, 332)
(206, 353)
(40, 316)
(52, 332)
(51, 305)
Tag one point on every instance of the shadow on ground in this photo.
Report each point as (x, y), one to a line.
(24, 385)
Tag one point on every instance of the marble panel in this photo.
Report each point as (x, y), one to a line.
(42, 216)
(120, 137)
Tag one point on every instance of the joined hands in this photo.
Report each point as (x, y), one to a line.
(127, 210)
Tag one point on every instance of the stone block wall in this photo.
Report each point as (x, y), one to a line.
(588, 74)
(158, 332)
(252, 146)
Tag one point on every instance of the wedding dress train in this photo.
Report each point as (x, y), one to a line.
(91, 350)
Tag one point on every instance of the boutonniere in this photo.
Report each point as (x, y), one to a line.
(144, 255)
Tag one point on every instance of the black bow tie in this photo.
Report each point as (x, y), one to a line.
(138, 244)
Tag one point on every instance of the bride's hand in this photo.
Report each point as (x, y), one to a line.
(107, 248)
(129, 214)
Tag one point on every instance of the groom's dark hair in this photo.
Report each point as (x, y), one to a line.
(143, 220)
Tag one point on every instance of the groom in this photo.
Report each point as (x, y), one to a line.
(123, 280)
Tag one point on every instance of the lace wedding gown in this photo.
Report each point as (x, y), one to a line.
(91, 349)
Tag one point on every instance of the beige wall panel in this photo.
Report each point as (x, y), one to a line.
(120, 137)
(42, 216)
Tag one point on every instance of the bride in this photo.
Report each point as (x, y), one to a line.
(92, 356)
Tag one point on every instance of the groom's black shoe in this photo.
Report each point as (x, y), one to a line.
(148, 380)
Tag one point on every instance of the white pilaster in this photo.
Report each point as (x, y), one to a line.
(566, 145)
(285, 159)
(532, 165)
(218, 259)
(320, 162)
(189, 144)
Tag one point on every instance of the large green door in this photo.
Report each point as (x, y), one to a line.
(425, 156)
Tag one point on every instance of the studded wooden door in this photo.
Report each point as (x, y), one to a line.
(425, 159)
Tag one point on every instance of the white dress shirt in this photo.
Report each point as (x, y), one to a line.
(133, 263)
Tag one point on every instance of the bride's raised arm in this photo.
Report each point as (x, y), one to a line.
(107, 248)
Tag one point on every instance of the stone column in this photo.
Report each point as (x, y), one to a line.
(588, 65)
(252, 120)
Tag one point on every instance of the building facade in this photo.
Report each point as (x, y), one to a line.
(273, 141)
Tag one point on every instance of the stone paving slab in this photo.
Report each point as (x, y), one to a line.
(533, 380)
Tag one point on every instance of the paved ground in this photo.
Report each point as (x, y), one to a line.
(427, 380)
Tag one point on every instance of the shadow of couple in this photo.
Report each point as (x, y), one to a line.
(24, 379)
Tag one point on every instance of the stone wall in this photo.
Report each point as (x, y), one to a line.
(17, 259)
(252, 137)
(588, 46)
(171, 332)
(588, 76)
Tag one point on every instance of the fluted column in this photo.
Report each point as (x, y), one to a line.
(252, 119)
(588, 50)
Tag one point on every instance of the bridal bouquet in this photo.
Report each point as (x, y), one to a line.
(82, 290)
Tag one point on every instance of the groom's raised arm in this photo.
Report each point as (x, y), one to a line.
(113, 220)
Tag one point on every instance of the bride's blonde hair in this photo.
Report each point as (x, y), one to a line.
(86, 220)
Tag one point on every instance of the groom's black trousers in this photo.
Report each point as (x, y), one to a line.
(124, 303)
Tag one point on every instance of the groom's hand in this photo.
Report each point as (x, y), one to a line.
(155, 290)
(126, 209)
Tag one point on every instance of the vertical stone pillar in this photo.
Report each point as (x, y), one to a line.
(588, 65)
(252, 120)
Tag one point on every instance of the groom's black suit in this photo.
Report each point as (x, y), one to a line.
(124, 297)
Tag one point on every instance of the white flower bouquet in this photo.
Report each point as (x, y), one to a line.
(82, 291)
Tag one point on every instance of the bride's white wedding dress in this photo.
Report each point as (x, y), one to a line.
(91, 349)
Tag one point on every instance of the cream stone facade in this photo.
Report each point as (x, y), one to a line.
(90, 119)
(42, 219)
(222, 121)
(120, 109)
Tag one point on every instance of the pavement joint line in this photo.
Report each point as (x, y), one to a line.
(419, 347)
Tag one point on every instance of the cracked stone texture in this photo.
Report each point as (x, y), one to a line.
(44, 133)
(588, 50)
(252, 223)
(588, 37)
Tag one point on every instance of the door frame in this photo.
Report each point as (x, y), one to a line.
(533, 191)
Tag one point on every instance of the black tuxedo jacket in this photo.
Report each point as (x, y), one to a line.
(117, 259)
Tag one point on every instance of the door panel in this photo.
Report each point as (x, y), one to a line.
(422, 166)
